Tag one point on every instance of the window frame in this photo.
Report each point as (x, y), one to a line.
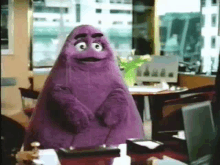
(10, 27)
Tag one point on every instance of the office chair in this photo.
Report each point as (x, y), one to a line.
(172, 115)
(29, 99)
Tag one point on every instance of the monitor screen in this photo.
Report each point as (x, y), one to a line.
(199, 129)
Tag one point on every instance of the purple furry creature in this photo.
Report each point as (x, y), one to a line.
(84, 101)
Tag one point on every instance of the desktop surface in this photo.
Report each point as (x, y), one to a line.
(124, 158)
(147, 90)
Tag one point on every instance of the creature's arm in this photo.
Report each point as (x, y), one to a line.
(114, 108)
(71, 108)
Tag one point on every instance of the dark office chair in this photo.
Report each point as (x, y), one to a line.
(12, 137)
(160, 109)
(173, 107)
(172, 120)
(29, 99)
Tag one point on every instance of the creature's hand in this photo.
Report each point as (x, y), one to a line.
(114, 108)
(71, 108)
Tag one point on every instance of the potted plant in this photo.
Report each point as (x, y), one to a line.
(129, 66)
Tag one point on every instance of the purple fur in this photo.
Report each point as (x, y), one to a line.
(84, 103)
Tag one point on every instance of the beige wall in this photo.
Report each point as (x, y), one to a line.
(39, 81)
(16, 65)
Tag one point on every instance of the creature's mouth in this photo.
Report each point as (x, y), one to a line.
(89, 59)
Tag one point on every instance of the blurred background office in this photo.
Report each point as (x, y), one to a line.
(33, 33)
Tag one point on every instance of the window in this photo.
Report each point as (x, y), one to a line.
(66, 10)
(98, 10)
(203, 3)
(43, 9)
(121, 1)
(40, 19)
(214, 2)
(127, 1)
(56, 20)
(117, 23)
(214, 20)
(4, 26)
(49, 37)
(7, 22)
(77, 12)
(202, 41)
(181, 29)
(213, 42)
(120, 11)
(203, 20)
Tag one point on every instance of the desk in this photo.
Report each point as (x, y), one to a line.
(150, 105)
(132, 159)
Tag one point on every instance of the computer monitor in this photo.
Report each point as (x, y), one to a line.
(199, 129)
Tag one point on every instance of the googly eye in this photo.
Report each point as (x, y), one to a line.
(81, 46)
(98, 47)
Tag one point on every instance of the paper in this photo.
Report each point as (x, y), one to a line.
(49, 157)
(170, 162)
(181, 135)
(150, 89)
(148, 144)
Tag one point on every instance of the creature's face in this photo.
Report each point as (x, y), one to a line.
(87, 46)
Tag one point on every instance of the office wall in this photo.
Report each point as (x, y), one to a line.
(16, 65)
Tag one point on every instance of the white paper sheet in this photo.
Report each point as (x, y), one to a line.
(170, 162)
(181, 135)
(48, 157)
(148, 144)
(150, 89)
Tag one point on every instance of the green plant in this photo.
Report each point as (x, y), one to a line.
(130, 65)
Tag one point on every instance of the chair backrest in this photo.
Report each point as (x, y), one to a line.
(185, 101)
(172, 115)
(29, 93)
(29, 99)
